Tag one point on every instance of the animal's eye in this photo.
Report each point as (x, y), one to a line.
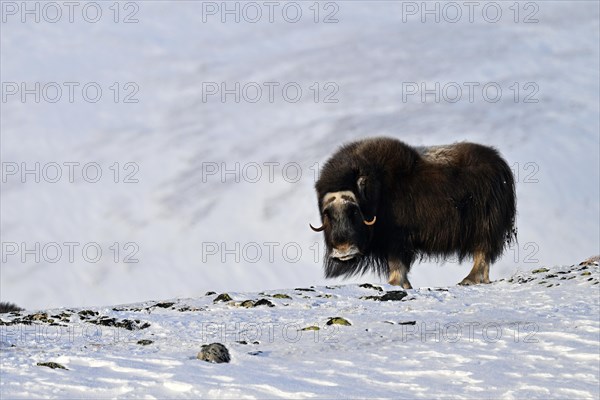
(326, 213)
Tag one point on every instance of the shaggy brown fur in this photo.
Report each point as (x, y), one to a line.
(429, 202)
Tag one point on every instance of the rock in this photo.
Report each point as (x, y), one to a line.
(338, 321)
(128, 324)
(591, 261)
(165, 304)
(39, 317)
(87, 313)
(311, 328)
(394, 295)
(145, 342)
(407, 323)
(376, 298)
(222, 297)
(209, 293)
(305, 290)
(281, 296)
(52, 365)
(539, 270)
(264, 302)
(247, 304)
(188, 308)
(214, 353)
(369, 286)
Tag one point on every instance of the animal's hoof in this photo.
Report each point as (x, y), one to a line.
(394, 282)
(468, 282)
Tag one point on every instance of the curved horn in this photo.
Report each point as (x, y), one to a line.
(371, 222)
(319, 229)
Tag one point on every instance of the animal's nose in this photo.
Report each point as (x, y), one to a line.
(344, 247)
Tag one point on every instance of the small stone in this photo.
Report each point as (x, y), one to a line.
(407, 323)
(591, 261)
(247, 304)
(305, 290)
(209, 293)
(39, 316)
(214, 353)
(264, 302)
(165, 304)
(53, 365)
(222, 297)
(338, 321)
(145, 342)
(539, 270)
(87, 313)
(377, 298)
(281, 296)
(394, 295)
(369, 286)
(586, 273)
(311, 328)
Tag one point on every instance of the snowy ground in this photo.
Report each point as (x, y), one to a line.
(535, 335)
(171, 219)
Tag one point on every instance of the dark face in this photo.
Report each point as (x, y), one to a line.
(346, 234)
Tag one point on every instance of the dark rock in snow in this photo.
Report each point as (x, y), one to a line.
(214, 353)
(338, 321)
(281, 296)
(247, 304)
(369, 286)
(165, 304)
(52, 365)
(264, 302)
(222, 297)
(394, 295)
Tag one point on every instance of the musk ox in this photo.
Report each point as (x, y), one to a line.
(384, 204)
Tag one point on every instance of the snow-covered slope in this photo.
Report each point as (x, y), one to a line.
(172, 218)
(534, 335)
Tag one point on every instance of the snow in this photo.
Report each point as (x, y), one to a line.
(176, 211)
(534, 335)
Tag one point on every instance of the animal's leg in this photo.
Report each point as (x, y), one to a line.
(398, 275)
(480, 273)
